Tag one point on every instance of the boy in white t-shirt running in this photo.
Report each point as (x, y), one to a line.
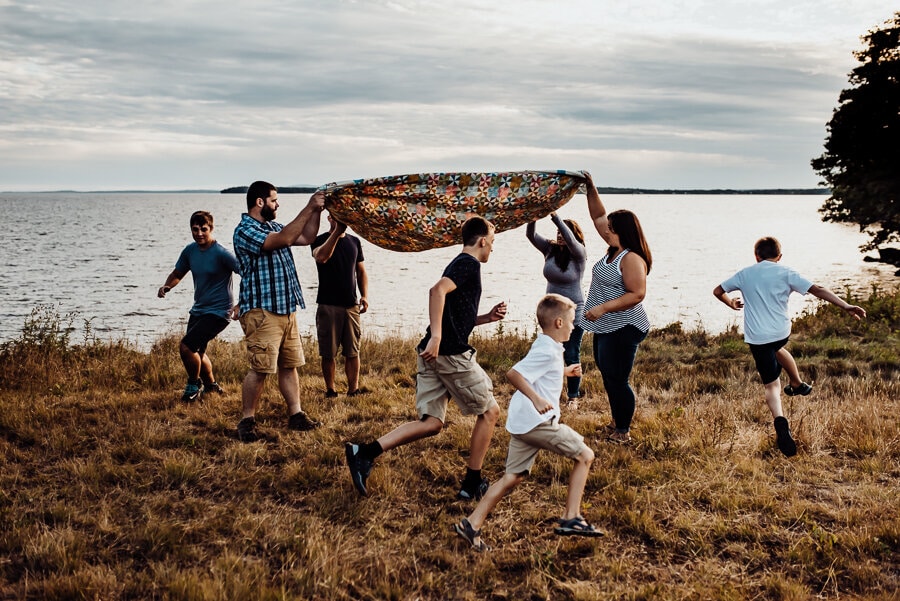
(533, 423)
(766, 287)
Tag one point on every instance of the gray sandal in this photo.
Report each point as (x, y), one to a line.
(577, 526)
(465, 530)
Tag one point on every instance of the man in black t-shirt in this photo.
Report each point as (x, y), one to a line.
(339, 261)
(447, 367)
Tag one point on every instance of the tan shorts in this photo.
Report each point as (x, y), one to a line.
(456, 376)
(273, 341)
(552, 435)
(338, 327)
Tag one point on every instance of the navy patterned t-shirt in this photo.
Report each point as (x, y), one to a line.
(460, 306)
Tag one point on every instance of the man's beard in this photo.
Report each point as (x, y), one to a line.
(267, 213)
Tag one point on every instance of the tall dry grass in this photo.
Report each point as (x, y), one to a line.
(111, 488)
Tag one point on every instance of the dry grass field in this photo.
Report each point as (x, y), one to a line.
(112, 488)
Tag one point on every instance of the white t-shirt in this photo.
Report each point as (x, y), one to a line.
(766, 287)
(543, 368)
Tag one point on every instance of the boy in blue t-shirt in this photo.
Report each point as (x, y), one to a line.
(766, 287)
(533, 424)
(211, 266)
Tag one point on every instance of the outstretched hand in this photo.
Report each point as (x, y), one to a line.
(856, 311)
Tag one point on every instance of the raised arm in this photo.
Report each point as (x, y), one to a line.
(577, 249)
(595, 205)
(538, 241)
(322, 253)
(827, 295)
(302, 230)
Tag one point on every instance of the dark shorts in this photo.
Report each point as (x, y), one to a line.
(766, 364)
(201, 329)
(338, 327)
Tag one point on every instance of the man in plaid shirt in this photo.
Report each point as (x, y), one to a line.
(270, 293)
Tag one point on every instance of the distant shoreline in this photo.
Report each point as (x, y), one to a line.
(608, 190)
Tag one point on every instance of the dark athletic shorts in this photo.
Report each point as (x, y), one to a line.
(201, 329)
(766, 364)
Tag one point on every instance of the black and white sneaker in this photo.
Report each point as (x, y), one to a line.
(360, 467)
(474, 494)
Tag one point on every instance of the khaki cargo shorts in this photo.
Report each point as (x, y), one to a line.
(273, 341)
(553, 436)
(452, 376)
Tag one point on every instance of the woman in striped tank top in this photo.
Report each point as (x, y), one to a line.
(613, 310)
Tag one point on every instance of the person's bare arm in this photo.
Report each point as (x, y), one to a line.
(437, 295)
(735, 303)
(827, 295)
(595, 205)
(297, 231)
(174, 278)
(362, 281)
(322, 253)
(496, 313)
(541, 404)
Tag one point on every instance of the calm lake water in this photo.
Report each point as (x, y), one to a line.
(103, 257)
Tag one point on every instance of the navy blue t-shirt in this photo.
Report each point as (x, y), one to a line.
(460, 306)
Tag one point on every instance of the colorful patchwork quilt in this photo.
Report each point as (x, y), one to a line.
(421, 211)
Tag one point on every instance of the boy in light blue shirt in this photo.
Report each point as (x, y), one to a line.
(766, 287)
(533, 424)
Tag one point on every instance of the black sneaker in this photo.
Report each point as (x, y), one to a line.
(783, 435)
(467, 494)
(330, 394)
(302, 422)
(246, 430)
(212, 388)
(803, 389)
(360, 467)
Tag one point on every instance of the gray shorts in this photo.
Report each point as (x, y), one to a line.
(553, 436)
(456, 376)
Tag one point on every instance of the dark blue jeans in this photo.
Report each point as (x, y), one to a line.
(614, 354)
(572, 355)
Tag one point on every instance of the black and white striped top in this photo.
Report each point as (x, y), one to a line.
(607, 284)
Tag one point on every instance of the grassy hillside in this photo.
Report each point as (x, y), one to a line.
(112, 488)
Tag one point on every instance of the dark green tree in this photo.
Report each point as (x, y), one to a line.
(861, 162)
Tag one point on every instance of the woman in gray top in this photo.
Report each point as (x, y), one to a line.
(564, 263)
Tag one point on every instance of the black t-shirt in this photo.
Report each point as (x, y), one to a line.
(460, 306)
(337, 275)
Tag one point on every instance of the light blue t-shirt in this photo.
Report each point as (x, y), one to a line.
(543, 368)
(766, 287)
(211, 269)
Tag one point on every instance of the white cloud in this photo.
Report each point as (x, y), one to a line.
(691, 93)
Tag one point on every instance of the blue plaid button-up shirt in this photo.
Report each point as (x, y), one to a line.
(268, 279)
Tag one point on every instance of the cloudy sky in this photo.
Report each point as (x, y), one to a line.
(178, 94)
